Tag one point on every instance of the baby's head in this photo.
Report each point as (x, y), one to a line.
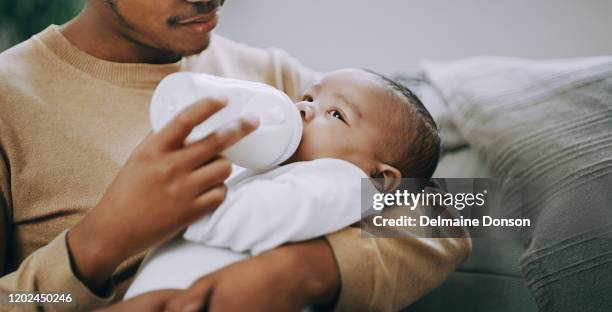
(370, 121)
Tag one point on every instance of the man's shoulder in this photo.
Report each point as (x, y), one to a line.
(271, 66)
(223, 46)
(226, 57)
(15, 61)
(227, 44)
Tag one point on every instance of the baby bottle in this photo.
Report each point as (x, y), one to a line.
(279, 132)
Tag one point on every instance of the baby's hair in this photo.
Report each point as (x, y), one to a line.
(416, 146)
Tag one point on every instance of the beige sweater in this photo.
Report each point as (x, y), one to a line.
(68, 121)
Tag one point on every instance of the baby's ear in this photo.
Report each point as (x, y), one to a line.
(391, 177)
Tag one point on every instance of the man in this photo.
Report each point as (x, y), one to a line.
(82, 196)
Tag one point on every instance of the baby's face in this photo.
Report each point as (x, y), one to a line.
(342, 119)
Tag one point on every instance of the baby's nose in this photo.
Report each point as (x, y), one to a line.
(306, 110)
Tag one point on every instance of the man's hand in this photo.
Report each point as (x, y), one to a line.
(164, 186)
(285, 279)
(154, 301)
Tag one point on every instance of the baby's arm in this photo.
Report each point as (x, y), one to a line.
(313, 199)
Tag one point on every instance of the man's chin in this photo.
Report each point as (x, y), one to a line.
(194, 49)
(185, 50)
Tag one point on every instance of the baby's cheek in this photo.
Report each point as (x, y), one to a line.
(314, 147)
(305, 151)
(301, 153)
(327, 147)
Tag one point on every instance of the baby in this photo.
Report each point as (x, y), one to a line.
(356, 125)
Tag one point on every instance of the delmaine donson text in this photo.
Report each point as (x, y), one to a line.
(458, 200)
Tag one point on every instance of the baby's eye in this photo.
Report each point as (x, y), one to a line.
(336, 114)
(307, 98)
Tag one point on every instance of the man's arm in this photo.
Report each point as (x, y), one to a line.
(47, 269)
(366, 274)
(386, 274)
(5, 219)
(164, 186)
(284, 279)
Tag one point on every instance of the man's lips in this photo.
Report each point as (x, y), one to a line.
(201, 23)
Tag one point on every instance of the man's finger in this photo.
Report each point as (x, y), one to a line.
(151, 301)
(206, 177)
(174, 134)
(194, 299)
(200, 152)
(209, 200)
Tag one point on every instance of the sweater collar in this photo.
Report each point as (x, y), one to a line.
(119, 73)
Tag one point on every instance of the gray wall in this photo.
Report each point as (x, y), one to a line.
(391, 35)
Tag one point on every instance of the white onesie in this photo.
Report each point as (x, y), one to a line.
(295, 202)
